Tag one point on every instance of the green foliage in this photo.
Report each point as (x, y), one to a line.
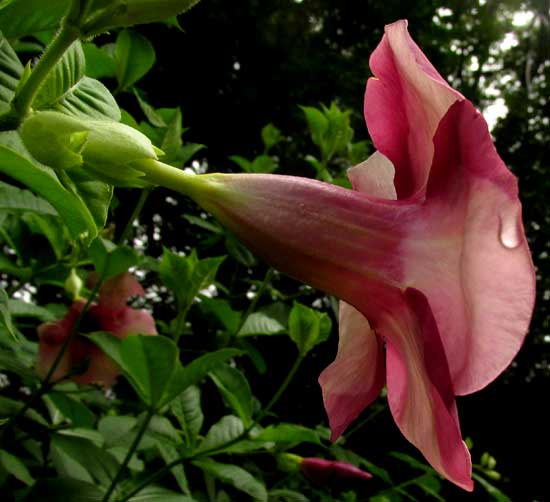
(109, 259)
(11, 71)
(20, 18)
(235, 476)
(307, 327)
(134, 56)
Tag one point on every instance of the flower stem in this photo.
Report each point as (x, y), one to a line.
(133, 447)
(282, 388)
(124, 236)
(64, 38)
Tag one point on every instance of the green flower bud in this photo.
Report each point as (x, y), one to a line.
(73, 285)
(289, 462)
(103, 150)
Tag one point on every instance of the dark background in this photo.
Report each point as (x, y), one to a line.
(241, 64)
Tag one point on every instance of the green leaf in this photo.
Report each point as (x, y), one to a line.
(150, 113)
(73, 410)
(288, 433)
(26, 17)
(187, 151)
(67, 89)
(243, 163)
(160, 494)
(20, 308)
(134, 56)
(203, 223)
(317, 122)
(81, 459)
(11, 70)
(223, 311)
(66, 489)
(235, 390)
(117, 430)
(9, 407)
(64, 75)
(109, 259)
(261, 323)
(149, 362)
(50, 227)
(492, 490)
(238, 251)
(99, 61)
(227, 429)
(430, 485)
(271, 135)
(236, 476)
(5, 315)
(95, 194)
(166, 439)
(15, 467)
(187, 275)
(147, 11)
(14, 199)
(89, 99)
(307, 327)
(264, 164)
(284, 495)
(196, 370)
(43, 181)
(187, 409)
(109, 344)
(407, 459)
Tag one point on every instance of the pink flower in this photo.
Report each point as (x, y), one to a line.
(428, 253)
(322, 471)
(110, 314)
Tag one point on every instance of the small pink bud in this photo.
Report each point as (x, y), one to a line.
(322, 471)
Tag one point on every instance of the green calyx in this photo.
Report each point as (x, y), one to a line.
(102, 150)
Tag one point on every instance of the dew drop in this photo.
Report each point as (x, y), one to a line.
(510, 228)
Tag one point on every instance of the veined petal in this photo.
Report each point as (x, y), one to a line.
(357, 375)
(469, 254)
(403, 107)
(420, 391)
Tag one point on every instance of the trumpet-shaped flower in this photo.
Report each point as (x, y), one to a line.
(110, 314)
(428, 253)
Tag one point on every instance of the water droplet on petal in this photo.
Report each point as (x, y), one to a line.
(510, 227)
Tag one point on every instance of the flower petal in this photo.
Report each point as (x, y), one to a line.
(52, 335)
(114, 293)
(475, 268)
(403, 107)
(374, 177)
(357, 375)
(420, 391)
(124, 321)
